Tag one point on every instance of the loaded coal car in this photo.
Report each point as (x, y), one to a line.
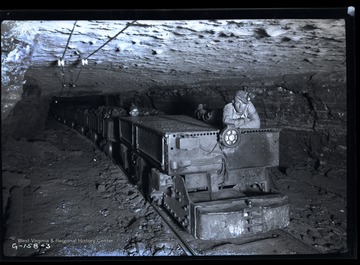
(213, 182)
(98, 124)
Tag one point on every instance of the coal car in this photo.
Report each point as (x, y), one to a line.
(214, 182)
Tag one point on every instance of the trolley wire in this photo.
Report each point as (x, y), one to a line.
(61, 61)
(68, 41)
(121, 31)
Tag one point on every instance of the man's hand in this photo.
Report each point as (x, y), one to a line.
(239, 122)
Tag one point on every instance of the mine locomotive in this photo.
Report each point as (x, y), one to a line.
(213, 182)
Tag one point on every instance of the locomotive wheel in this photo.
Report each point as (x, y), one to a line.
(230, 136)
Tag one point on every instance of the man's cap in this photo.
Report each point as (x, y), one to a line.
(133, 107)
(242, 95)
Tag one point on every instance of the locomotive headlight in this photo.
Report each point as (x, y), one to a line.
(109, 149)
(95, 137)
(230, 136)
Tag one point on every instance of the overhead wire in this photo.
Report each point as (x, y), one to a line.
(68, 41)
(61, 61)
(121, 31)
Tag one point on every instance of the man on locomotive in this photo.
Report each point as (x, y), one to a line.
(240, 113)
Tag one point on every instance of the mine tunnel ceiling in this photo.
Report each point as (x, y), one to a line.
(125, 55)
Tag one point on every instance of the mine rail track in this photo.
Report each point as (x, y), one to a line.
(179, 233)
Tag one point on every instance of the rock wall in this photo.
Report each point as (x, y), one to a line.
(14, 58)
(22, 107)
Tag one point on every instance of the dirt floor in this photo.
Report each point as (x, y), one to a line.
(64, 197)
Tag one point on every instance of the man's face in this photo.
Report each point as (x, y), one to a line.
(238, 103)
(134, 112)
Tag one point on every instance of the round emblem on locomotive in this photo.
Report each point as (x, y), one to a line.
(230, 136)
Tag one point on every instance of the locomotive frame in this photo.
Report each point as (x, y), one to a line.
(213, 182)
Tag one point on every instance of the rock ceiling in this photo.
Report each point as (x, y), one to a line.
(108, 56)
